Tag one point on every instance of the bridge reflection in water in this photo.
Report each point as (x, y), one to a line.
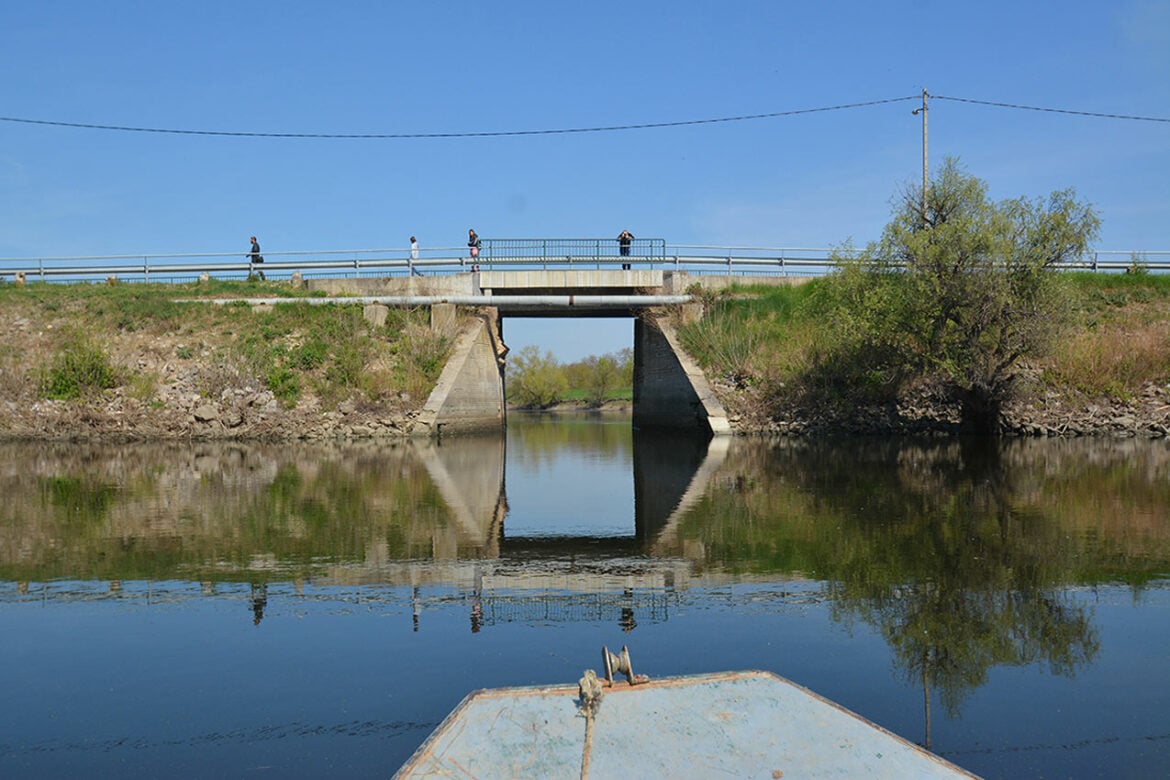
(430, 522)
(230, 520)
(898, 576)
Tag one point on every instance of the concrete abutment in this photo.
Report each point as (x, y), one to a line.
(670, 390)
(469, 395)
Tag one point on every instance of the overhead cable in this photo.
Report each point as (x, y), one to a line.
(1097, 114)
(480, 134)
(570, 130)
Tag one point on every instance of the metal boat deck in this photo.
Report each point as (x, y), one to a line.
(731, 724)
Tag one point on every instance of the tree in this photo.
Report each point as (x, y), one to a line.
(534, 379)
(598, 377)
(962, 291)
(601, 375)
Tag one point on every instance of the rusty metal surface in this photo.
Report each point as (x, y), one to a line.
(733, 724)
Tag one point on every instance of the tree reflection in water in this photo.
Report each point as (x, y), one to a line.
(961, 552)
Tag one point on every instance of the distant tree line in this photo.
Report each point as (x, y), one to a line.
(536, 380)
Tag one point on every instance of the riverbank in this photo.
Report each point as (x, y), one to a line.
(203, 373)
(126, 362)
(1048, 413)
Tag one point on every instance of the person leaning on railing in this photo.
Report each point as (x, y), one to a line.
(625, 238)
(473, 244)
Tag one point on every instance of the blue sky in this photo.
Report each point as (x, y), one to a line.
(359, 66)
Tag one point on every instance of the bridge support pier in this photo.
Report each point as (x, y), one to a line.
(670, 390)
(470, 392)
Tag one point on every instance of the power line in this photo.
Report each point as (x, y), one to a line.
(1053, 110)
(483, 134)
(571, 130)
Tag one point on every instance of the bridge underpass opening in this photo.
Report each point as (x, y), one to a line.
(572, 341)
(546, 522)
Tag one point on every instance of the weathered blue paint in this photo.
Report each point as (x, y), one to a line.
(733, 724)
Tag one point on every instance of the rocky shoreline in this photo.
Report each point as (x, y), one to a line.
(175, 413)
(1051, 415)
(243, 414)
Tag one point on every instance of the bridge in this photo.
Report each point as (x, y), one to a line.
(516, 278)
(670, 390)
(524, 277)
(496, 254)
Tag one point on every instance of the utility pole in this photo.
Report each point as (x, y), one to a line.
(925, 162)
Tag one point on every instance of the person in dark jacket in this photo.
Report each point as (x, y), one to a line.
(473, 244)
(255, 257)
(624, 239)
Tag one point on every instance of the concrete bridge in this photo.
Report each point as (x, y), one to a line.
(547, 278)
(670, 390)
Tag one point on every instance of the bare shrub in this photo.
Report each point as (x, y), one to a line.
(232, 371)
(15, 381)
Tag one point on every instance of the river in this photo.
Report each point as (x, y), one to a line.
(307, 610)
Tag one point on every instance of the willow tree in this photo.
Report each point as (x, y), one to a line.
(962, 290)
(534, 379)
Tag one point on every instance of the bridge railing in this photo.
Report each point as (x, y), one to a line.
(569, 252)
(497, 254)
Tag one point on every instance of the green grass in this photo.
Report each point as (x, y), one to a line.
(288, 348)
(1117, 337)
(580, 395)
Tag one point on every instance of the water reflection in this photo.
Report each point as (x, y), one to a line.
(871, 518)
(961, 556)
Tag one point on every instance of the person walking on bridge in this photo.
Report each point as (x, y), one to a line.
(255, 257)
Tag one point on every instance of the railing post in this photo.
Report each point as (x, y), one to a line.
(41, 265)
(146, 269)
(357, 267)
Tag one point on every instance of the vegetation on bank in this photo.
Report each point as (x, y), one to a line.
(960, 301)
(79, 341)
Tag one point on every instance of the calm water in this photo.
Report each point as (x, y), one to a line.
(300, 611)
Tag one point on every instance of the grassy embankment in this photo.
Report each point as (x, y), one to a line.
(80, 341)
(772, 344)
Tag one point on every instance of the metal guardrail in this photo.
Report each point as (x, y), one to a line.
(495, 254)
(571, 251)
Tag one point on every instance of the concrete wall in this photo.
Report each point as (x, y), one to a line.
(562, 282)
(446, 284)
(670, 391)
(470, 392)
(677, 282)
